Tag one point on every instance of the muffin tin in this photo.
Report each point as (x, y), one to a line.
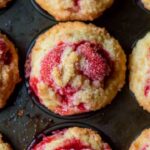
(43, 12)
(36, 99)
(121, 121)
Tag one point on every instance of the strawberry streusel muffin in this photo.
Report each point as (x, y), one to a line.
(142, 142)
(9, 74)
(64, 10)
(146, 4)
(3, 145)
(76, 68)
(140, 72)
(3, 3)
(74, 138)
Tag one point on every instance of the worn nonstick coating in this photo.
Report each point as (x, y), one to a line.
(65, 125)
(122, 121)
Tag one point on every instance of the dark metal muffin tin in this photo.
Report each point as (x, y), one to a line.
(43, 12)
(121, 121)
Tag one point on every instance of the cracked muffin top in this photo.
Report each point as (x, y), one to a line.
(75, 68)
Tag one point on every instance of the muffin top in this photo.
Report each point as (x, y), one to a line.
(142, 142)
(64, 10)
(72, 138)
(140, 72)
(75, 68)
(9, 74)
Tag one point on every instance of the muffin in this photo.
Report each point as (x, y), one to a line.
(4, 3)
(76, 68)
(73, 138)
(146, 4)
(9, 74)
(142, 142)
(3, 145)
(140, 72)
(65, 10)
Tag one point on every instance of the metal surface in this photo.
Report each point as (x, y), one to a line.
(121, 121)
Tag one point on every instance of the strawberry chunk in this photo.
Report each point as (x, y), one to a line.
(147, 88)
(33, 84)
(5, 54)
(96, 66)
(3, 46)
(146, 147)
(76, 2)
(50, 61)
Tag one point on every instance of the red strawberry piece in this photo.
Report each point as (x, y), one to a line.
(147, 88)
(51, 60)
(5, 54)
(33, 84)
(77, 2)
(74, 144)
(81, 107)
(145, 147)
(96, 66)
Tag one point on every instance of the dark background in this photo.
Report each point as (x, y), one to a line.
(122, 121)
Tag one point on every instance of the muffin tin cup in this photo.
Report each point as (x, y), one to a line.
(42, 107)
(140, 36)
(42, 11)
(140, 4)
(138, 134)
(64, 125)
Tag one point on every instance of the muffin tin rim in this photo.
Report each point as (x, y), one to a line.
(68, 124)
(42, 11)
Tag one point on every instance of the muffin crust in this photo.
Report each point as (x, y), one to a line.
(140, 72)
(75, 68)
(65, 10)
